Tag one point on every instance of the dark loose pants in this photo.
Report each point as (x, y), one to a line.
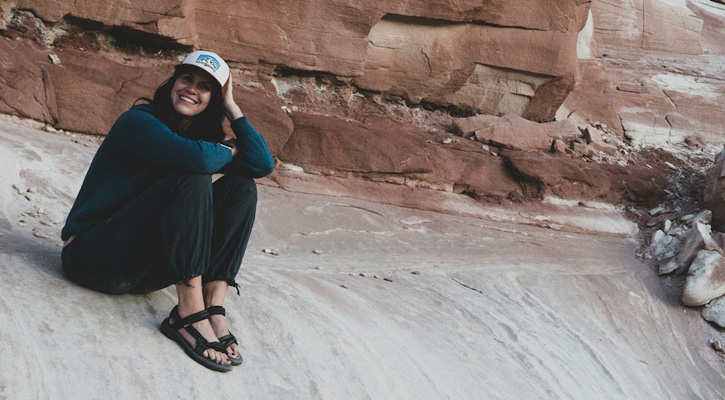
(181, 227)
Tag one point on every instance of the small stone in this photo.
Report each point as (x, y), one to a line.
(670, 166)
(344, 287)
(415, 272)
(703, 217)
(387, 279)
(318, 268)
(447, 141)
(39, 234)
(315, 251)
(291, 167)
(667, 225)
(376, 277)
(657, 211)
(270, 251)
(54, 59)
(717, 345)
(484, 147)
(362, 274)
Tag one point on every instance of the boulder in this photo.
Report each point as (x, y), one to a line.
(663, 246)
(567, 178)
(514, 132)
(705, 280)
(715, 312)
(697, 238)
(594, 139)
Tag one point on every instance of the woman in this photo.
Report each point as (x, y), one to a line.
(148, 215)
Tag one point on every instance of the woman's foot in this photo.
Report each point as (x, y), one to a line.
(191, 310)
(214, 294)
(220, 328)
(205, 328)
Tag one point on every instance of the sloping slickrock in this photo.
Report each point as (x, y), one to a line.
(715, 192)
(715, 312)
(498, 310)
(705, 280)
(696, 239)
(563, 177)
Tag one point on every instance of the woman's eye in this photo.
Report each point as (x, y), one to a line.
(186, 78)
(205, 86)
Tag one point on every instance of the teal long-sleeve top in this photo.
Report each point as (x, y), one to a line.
(139, 149)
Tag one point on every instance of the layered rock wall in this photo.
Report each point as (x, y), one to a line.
(653, 70)
(496, 57)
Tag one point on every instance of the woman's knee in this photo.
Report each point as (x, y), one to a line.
(237, 189)
(188, 186)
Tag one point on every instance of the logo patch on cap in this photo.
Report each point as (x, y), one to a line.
(208, 61)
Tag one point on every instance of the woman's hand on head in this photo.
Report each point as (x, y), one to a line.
(232, 109)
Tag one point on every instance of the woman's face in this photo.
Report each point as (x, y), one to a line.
(191, 93)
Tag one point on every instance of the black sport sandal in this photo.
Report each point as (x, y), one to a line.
(171, 331)
(226, 340)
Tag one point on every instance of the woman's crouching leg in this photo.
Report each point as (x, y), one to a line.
(235, 205)
(160, 237)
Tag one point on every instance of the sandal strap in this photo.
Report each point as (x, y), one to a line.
(228, 340)
(216, 310)
(185, 322)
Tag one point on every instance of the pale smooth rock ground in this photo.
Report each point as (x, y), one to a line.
(494, 310)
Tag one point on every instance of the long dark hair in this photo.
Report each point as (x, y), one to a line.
(205, 126)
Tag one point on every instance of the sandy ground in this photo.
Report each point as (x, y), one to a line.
(398, 304)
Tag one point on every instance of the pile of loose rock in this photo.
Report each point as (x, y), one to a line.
(688, 245)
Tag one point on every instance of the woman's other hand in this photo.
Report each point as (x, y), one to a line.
(232, 144)
(232, 109)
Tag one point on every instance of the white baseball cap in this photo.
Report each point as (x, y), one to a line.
(211, 63)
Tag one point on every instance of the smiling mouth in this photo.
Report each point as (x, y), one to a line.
(188, 100)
